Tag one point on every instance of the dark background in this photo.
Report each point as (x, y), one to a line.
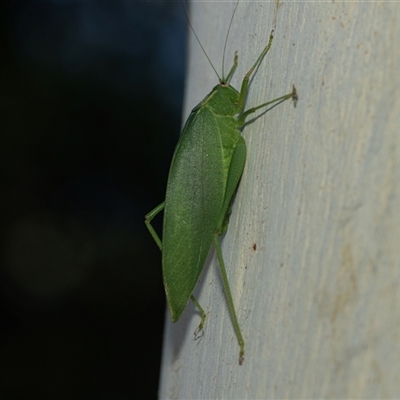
(91, 97)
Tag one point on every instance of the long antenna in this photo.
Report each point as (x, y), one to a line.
(226, 40)
(198, 41)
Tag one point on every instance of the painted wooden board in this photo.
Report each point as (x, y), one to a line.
(313, 246)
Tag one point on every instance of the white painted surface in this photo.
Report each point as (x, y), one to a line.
(318, 301)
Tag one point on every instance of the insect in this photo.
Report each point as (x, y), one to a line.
(206, 167)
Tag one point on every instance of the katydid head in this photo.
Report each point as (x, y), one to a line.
(224, 100)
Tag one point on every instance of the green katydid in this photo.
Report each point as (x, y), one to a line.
(204, 175)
